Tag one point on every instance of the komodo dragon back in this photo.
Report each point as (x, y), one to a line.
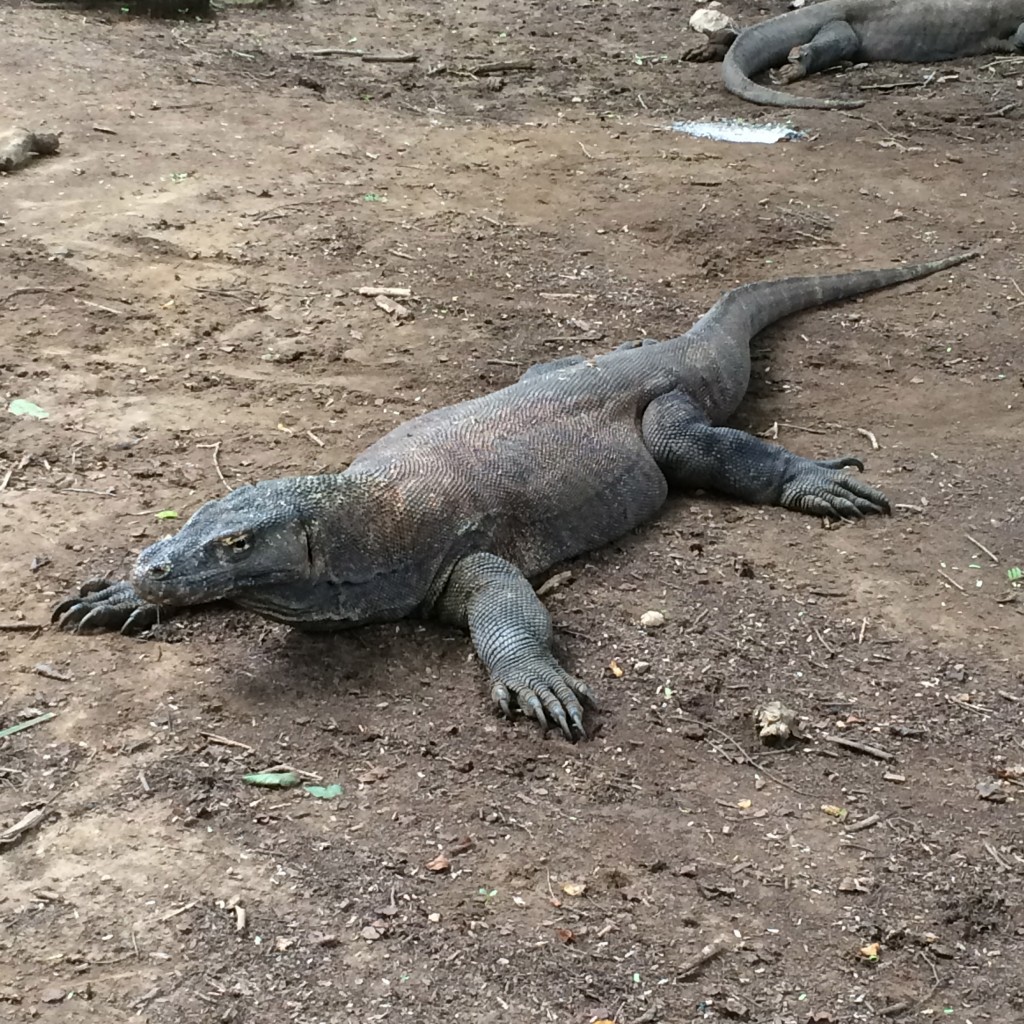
(451, 514)
(825, 34)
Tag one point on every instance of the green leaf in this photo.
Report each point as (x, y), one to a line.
(325, 792)
(168, 513)
(280, 780)
(23, 407)
(1015, 574)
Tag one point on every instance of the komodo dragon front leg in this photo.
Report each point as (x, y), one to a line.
(511, 631)
(694, 454)
(832, 44)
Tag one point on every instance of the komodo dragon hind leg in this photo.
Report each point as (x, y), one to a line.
(100, 604)
(694, 454)
(511, 631)
(832, 44)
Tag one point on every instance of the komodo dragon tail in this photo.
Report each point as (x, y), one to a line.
(744, 311)
(766, 45)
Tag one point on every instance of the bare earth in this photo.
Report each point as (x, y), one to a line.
(179, 293)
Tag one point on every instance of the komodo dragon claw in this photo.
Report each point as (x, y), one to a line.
(821, 488)
(543, 689)
(102, 604)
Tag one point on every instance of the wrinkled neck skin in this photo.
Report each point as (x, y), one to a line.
(317, 552)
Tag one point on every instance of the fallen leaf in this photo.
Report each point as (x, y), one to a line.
(439, 863)
(565, 935)
(574, 888)
(616, 669)
(834, 811)
(870, 951)
(325, 792)
(23, 407)
(167, 513)
(280, 780)
(370, 933)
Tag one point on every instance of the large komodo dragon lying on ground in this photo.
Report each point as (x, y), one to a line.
(825, 34)
(450, 514)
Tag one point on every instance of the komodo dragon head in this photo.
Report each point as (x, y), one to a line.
(315, 552)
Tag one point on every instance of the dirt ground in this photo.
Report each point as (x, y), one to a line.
(179, 294)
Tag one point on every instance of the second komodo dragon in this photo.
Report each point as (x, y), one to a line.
(822, 35)
(452, 513)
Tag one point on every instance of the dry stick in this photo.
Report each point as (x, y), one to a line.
(497, 66)
(976, 543)
(20, 627)
(746, 757)
(707, 954)
(216, 462)
(217, 738)
(857, 826)
(390, 58)
(391, 293)
(999, 860)
(7, 478)
(871, 437)
(950, 579)
(860, 748)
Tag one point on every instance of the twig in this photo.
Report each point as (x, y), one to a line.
(860, 748)
(329, 51)
(857, 826)
(976, 543)
(216, 462)
(886, 86)
(871, 437)
(109, 493)
(745, 756)
(390, 58)
(224, 741)
(824, 643)
(20, 627)
(994, 854)
(314, 438)
(497, 66)
(950, 579)
(28, 290)
(391, 293)
(806, 430)
(181, 910)
(7, 478)
(706, 955)
(863, 630)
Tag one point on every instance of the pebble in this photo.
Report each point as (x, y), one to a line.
(641, 668)
(652, 620)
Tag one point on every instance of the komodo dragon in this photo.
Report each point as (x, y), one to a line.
(824, 34)
(450, 514)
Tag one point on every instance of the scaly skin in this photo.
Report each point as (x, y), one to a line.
(450, 514)
(824, 34)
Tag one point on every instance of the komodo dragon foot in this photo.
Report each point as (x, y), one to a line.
(511, 631)
(101, 604)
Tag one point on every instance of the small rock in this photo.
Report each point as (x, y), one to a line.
(992, 791)
(709, 21)
(652, 620)
(434, 918)
(692, 731)
(53, 994)
(284, 350)
(370, 933)
(641, 668)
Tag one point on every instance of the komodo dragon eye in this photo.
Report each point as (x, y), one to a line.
(236, 541)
